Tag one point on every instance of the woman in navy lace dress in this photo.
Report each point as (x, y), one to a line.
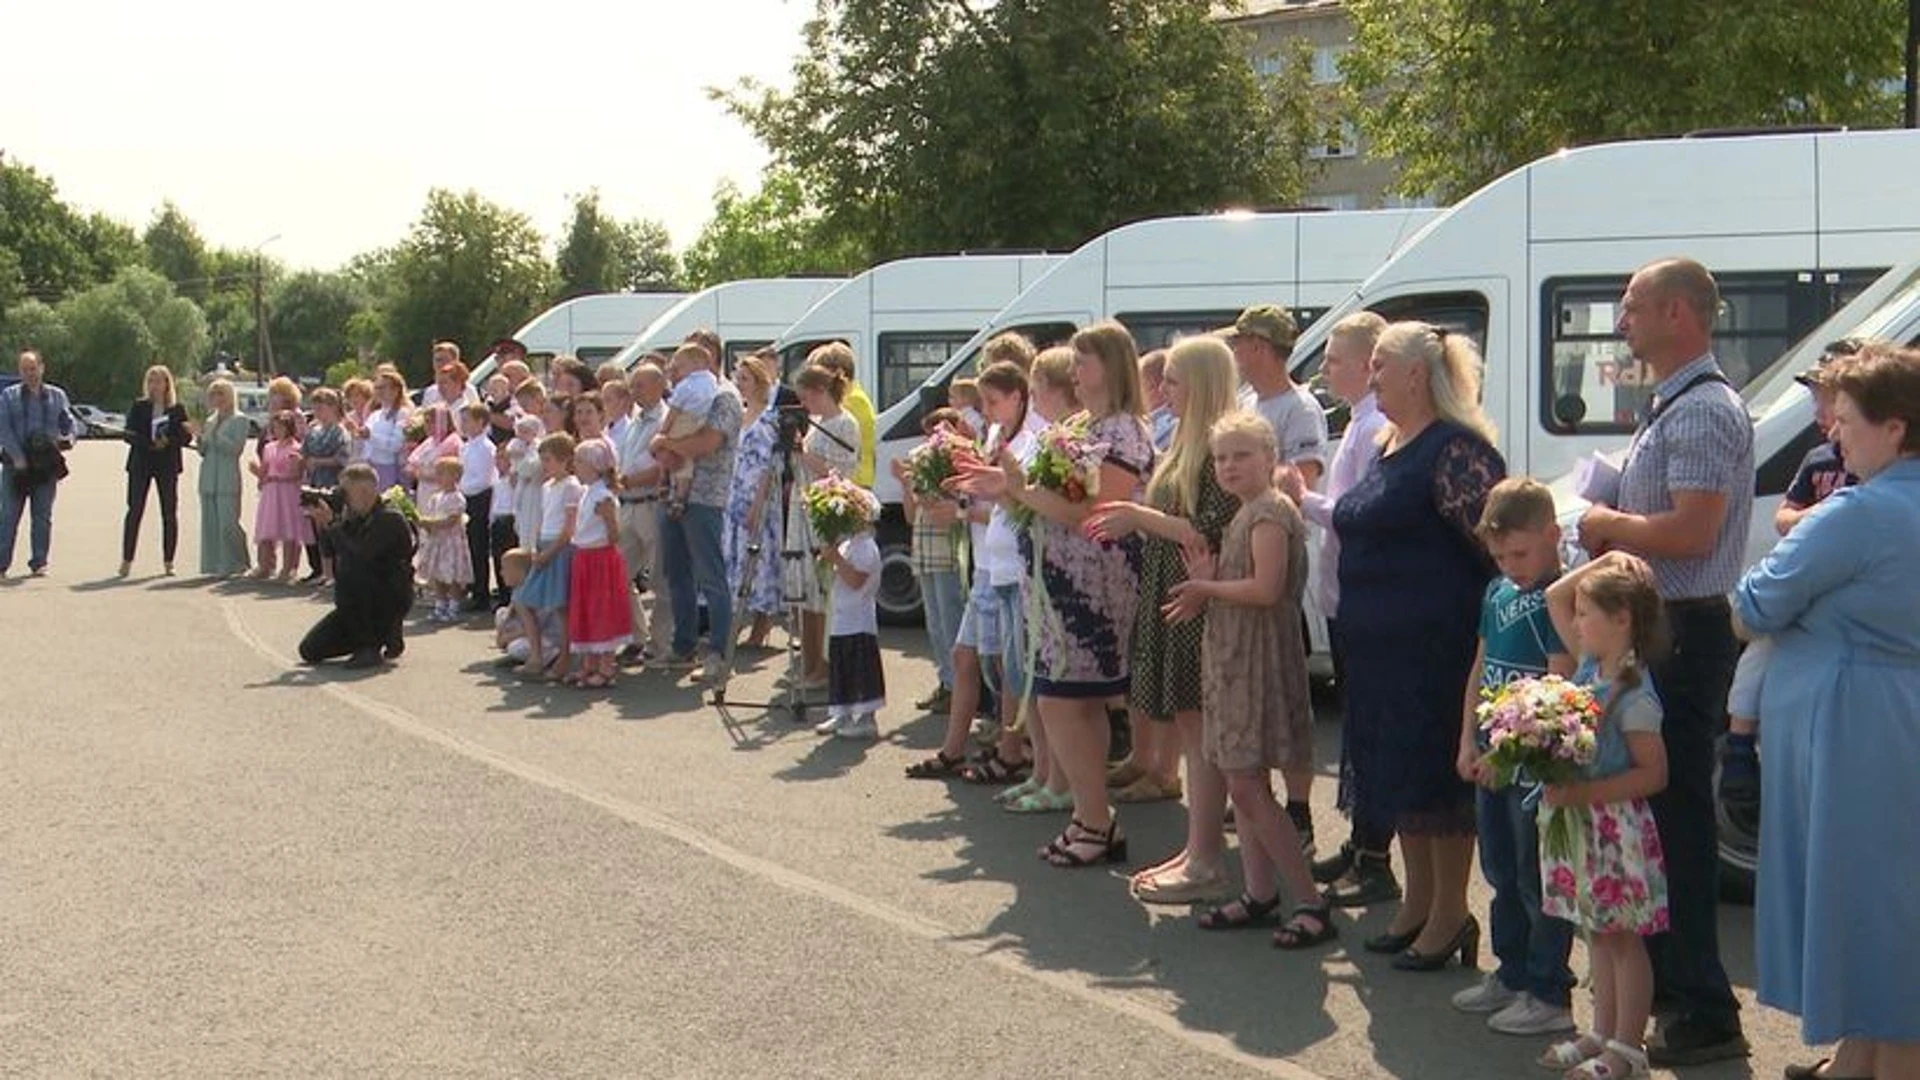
(1411, 577)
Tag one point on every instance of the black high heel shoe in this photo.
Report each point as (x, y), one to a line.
(1466, 943)
(1393, 943)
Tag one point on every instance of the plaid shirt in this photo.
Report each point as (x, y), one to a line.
(932, 546)
(1702, 442)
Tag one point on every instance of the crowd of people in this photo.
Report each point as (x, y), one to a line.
(1162, 599)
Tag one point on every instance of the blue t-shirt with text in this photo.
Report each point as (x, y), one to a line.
(1517, 631)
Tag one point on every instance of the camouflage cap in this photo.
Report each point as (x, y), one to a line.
(1268, 322)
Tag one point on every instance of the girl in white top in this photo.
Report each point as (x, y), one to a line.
(386, 428)
(545, 589)
(599, 592)
(856, 683)
(523, 474)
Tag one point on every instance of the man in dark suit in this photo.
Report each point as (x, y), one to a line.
(373, 576)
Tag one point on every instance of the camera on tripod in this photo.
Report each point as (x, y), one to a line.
(790, 423)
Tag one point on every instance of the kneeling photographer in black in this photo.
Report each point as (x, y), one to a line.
(373, 572)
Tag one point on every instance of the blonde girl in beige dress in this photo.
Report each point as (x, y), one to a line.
(1255, 712)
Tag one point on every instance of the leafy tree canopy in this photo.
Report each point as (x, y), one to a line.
(1464, 90)
(468, 271)
(600, 254)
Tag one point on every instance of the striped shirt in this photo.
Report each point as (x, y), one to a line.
(1702, 441)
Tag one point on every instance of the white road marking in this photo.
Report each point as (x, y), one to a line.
(787, 878)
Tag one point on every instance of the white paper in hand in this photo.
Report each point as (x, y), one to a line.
(1597, 477)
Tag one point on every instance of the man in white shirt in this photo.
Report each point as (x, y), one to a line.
(450, 379)
(640, 494)
(1262, 339)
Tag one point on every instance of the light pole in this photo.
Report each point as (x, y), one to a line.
(262, 342)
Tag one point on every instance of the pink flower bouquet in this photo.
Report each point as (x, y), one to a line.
(1542, 729)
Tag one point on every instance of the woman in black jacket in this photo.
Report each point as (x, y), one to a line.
(157, 431)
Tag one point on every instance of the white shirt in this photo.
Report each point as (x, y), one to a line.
(635, 453)
(617, 429)
(523, 468)
(1000, 550)
(386, 436)
(856, 611)
(476, 466)
(556, 498)
(1359, 450)
(431, 396)
(589, 529)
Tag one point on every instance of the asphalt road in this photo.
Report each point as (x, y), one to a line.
(216, 863)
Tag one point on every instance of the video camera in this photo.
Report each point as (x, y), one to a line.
(334, 498)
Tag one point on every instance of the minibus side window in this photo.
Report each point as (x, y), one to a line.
(909, 359)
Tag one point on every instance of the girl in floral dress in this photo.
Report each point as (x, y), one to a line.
(442, 561)
(1615, 887)
(1084, 623)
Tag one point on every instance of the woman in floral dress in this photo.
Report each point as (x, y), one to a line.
(1086, 590)
(756, 459)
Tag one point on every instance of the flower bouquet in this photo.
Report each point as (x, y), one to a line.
(1543, 729)
(415, 431)
(932, 463)
(397, 498)
(1066, 462)
(838, 508)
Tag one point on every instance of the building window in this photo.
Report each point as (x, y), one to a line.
(1410, 202)
(1268, 65)
(1326, 63)
(1342, 142)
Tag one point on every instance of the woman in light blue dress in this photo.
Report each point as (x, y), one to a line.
(753, 463)
(1839, 891)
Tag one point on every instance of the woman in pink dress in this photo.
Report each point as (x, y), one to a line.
(442, 441)
(278, 518)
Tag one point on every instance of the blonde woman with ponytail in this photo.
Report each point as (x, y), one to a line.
(1186, 511)
(1412, 575)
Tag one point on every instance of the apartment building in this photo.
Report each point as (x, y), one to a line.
(1348, 178)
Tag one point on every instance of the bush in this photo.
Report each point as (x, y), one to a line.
(350, 368)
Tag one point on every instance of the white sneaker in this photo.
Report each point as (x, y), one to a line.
(1490, 996)
(713, 673)
(831, 725)
(1530, 1016)
(860, 727)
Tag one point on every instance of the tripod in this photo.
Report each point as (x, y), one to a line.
(795, 550)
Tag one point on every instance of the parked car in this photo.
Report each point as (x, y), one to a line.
(93, 422)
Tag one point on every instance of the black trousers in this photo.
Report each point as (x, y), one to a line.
(347, 630)
(480, 546)
(168, 484)
(1688, 978)
(503, 537)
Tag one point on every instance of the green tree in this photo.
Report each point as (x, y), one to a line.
(350, 368)
(920, 126)
(35, 324)
(1464, 90)
(176, 251)
(468, 271)
(772, 233)
(47, 245)
(114, 331)
(307, 316)
(601, 254)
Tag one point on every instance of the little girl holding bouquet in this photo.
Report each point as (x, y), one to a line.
(1613, 882)
(842, 514)
(442, 559)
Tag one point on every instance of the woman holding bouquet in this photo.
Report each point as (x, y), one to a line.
(1086, 590)
(1412, 575)
(1188, 510)
(832, 445)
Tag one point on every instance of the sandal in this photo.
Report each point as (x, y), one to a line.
(1179, 886)
(1147, 790)
(1123, 774)
(1250, 912)
(1107, 846)
(596, 681)
(1042, 801)
(1025, 787)
(1295, 933)
(1599, 1068)
(937, 767)
(1568, 1053)
(993, 769)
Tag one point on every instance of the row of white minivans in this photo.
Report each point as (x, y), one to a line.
(1794, 225)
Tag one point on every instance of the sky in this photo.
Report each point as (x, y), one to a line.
(325, 125)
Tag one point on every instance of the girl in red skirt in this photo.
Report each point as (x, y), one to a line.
(599, 611)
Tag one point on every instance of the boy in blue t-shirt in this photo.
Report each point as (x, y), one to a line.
(1531, 992)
